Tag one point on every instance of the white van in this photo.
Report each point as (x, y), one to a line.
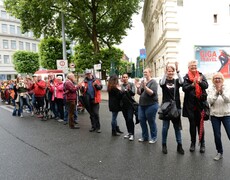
(45, 73)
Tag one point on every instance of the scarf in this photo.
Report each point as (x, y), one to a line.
(198, 89)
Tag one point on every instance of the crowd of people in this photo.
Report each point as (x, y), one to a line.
(59, 99)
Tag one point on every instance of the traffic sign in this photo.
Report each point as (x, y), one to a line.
(62, 65)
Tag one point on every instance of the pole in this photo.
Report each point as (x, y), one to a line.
(63, 37)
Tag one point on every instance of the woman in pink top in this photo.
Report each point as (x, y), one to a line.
(57, 97)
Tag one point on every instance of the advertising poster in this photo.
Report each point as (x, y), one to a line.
(213, 59)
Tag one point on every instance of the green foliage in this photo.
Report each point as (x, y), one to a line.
(125, 67)
(84, 58)
(50, 50)
(26, 62)
(101, 23)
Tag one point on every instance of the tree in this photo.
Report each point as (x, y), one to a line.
(26, 62)
(84, 58)
(103, 23)
(50, 50)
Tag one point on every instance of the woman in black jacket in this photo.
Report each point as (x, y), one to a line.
(114, 102)
(194, 87)
(168, 85)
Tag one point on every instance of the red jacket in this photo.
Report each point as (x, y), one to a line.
(39, 88)
(70, 91)
(96, 86)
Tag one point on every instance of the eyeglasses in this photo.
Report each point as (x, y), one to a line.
(217, 78)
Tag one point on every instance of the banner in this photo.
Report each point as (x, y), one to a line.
(213, 59)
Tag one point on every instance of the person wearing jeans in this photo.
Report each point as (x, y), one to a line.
(219, 100)
(170, 90)
(115, 95)
(148, 106)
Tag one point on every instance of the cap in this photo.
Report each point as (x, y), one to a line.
(88, 71)
(34, 75)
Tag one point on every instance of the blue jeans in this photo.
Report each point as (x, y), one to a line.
(165, 128)
(148, 113)
(114, 120)
(216, 125)
(27, 101)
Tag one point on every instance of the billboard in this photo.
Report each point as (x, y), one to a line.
(213, 59)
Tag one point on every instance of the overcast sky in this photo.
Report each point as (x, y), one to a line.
(134, 41)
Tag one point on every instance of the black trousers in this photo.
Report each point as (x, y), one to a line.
(195, 127)
(128, 115)
(93, 109)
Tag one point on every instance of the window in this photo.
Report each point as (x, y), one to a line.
(12, 29)
(0, 59)
(34, 47)
(4, 28)
(215, 18)
(19, 31)
(3, 14)
(179, 2)
(27, 46)
(21, 46)
(6, 59)
(5, 44)
(13, 44)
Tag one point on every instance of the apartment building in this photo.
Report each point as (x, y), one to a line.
(11, 40)
(182, 30)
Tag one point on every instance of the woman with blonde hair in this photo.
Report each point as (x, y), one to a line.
(194, 87)
(219, 100)
(148, 106)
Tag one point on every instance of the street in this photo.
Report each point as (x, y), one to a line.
(33, 149)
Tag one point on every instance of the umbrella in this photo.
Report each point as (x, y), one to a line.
(201, 125)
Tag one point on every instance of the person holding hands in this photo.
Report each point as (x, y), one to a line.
(219, 100)
(170, 88)
(148, 106)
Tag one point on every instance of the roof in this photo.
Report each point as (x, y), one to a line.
(48, 71)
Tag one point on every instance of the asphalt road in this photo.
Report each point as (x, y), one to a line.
(31, 149)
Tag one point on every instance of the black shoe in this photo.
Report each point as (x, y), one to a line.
(65, 123)
(202, 148)
(164, 149)
(180, 150)
(114, 133)
(118, 130)
(192, 147)
(92, 130)
(75, 127)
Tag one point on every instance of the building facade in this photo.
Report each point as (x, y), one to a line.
(182, 30)
(12, 40)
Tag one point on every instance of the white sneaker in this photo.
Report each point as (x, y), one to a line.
(131, 138)
(152, 141)
(32, 113)
(21, 116)
(127, 136)
(60, 120)
(218, 157)
(141, 140)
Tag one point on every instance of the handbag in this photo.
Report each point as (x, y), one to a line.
(168, 110)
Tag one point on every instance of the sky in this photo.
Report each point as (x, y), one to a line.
(134, 41)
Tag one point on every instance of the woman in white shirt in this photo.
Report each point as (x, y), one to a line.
(219, 100)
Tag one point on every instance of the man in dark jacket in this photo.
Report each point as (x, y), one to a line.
(90, 88)
(71, 98)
